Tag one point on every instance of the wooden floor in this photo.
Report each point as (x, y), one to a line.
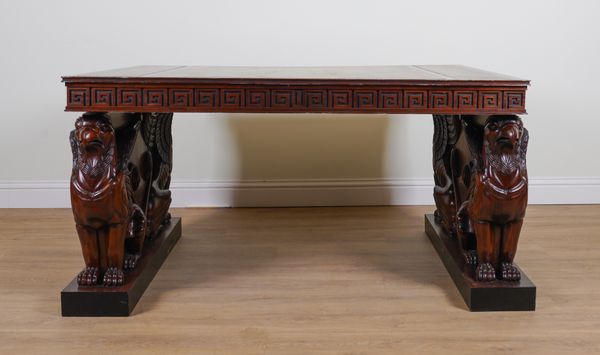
(355, 280)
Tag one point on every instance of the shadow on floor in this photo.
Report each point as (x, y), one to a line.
(220, 244)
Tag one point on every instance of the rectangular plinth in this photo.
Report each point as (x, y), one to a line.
(479, 296)
(119, 301)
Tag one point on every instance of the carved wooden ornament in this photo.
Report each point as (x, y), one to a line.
(118, 201)
(481, 189)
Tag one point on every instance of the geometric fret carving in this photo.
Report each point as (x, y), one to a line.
(129, 97)
(316, 99)
(257, 98)
(490, 100)
(154, 97)
(440, 99)
(297, 99)
(341, 99)
(415, 99)
(514, 99)
(390, 99)
(282, 99)
(207, 98)
(465, 99)
(365, 99)
(181, 97)
(232, 98)
(103, 97)
(78, 97)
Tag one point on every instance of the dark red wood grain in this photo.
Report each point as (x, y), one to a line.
(407, 89)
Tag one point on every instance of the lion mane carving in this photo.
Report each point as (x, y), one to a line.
(101, 196)
(493, 214)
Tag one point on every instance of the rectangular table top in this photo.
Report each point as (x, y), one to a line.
(390, 72)
(394, 89)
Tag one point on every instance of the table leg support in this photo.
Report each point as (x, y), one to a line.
(480, 192)
(120, 200)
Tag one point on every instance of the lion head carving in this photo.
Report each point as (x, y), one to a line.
(93, 144)
(505, 143)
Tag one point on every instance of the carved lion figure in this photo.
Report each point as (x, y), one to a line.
(497, 200)
(104, 212)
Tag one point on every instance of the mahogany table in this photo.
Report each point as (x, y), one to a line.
(122, 160)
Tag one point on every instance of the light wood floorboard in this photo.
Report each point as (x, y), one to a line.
(354, 280)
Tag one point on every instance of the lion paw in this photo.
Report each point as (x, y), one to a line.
(131, 261)
(510, 272)
(88, 276)
(470, 258)
(113, 277)
(436, 217)
(167, 219)
(485, 272)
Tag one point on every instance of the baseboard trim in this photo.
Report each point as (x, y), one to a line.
(293, 193)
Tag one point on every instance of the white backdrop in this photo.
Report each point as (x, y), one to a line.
(300, 159)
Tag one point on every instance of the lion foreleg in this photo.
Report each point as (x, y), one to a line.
(510, 239)
(115, 254)
(488, 242)
(91, 256)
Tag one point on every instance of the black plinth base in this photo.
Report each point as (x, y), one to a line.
(479, 296)
(119, 301)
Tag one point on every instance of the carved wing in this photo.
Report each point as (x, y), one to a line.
(164, 144)
(523, 148)
(474, 134)
(164, 140)
(74, 147)
(156, 131)
(126, 137)
(440, 136)
(445, 133)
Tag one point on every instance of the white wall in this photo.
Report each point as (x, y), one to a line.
(340, 159)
